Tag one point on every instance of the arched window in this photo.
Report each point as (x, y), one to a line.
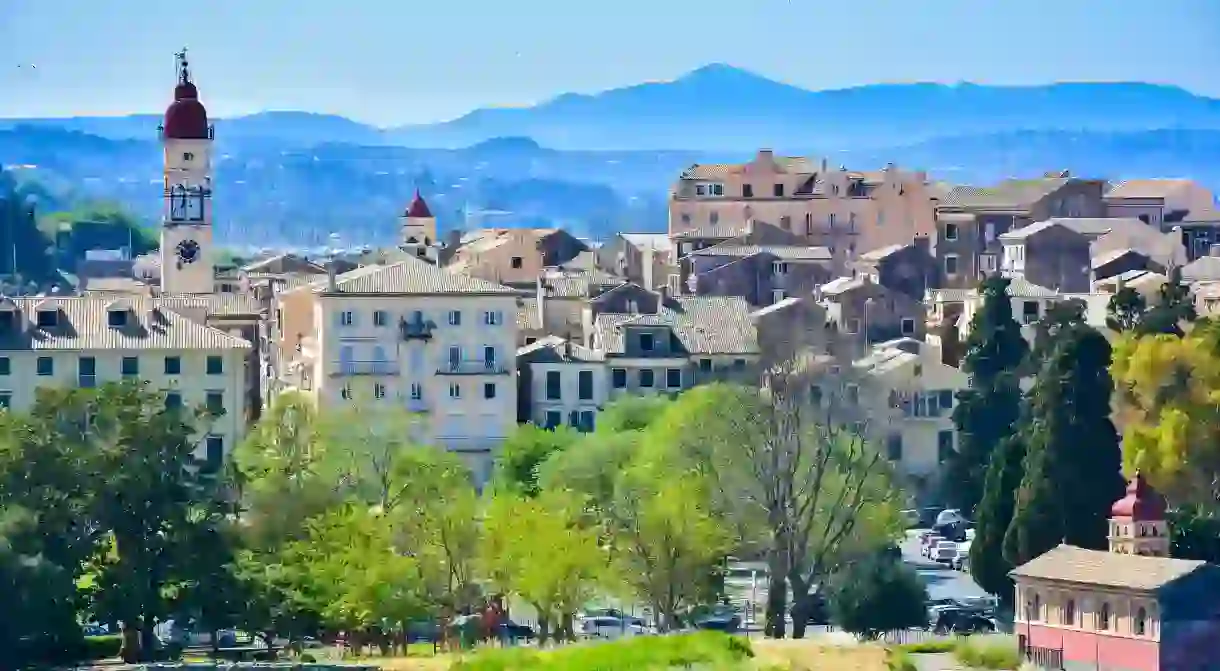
(1141, 621)
(1069, 613)
(1103, 617)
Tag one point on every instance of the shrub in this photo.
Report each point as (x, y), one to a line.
(898, 659)
(988, 652)
(929, 647)
(876, 595)
(712, 649)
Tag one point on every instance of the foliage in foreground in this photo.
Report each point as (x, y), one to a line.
(876, 595)
(997, 653)
(709, 649)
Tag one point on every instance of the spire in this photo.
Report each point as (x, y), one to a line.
(418, 209)
(1142, 502)
(186, 118)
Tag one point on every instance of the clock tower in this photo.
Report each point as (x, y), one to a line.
(187, 265)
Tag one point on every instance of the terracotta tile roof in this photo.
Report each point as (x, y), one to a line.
(788, 252)
(1011, 194)
(710, 170)
(720, 231)
(576, 284)
(701, 325)
(1146, 188)
(411, 276)
(882, 252)
(1202, 269)
(82, 323)
(1067, 563)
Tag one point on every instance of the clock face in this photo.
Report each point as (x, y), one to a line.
(188, 251)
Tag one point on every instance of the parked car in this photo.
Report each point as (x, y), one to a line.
(927, 516)
(962, 557)
(954, 531)
(963, 621)
(943, 552)
(611, 628)
(517, 631)
(949, 516)
(928, 542)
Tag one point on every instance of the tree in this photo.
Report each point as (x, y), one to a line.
(1166, 389)
(1073, 464)
(876, 595)
(1125, 311)
(987, 412)
(545, 550)
(988, 566)
(1174, 306)
(524, 452)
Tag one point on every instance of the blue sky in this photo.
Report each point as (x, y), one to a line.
(407, 61)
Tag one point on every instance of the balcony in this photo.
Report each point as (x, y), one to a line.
(472, 367)
(417, 329)
(343, 368)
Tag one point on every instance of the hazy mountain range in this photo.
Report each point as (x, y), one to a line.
(603, 162)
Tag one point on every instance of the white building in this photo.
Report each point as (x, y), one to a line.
(567, 383)
(420, 337)
(86, 341)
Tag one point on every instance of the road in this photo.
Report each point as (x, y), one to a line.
(942, 582)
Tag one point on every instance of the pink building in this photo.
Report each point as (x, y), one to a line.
(1133, 608)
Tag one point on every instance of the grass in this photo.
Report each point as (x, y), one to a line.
(811, 654)
(996, 653)
(928, 647)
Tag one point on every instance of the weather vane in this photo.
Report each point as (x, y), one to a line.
(184, 73)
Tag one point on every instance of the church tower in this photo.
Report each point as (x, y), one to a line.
(187, 265)
(419, 229)
(1137, 521)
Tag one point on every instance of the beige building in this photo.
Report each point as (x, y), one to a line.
(86, 341)
(418, 337)
(907, 382)
(1159, 202)
(847, 211)
(516, 256)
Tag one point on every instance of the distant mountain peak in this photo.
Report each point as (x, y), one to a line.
(722, 73)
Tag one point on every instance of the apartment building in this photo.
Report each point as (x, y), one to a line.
(644, 258)
(86, 341)
(906, 383)
(1159, 203)
(561, 383)
(1029, 303)
(971, 219)
(514, 256)
(909, 269)
(421, 338)
(846, 211)
(1048, 253)
(874, 312)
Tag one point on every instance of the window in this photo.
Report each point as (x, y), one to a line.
(173, 400)
(779, 268)
(347, 318)
(455, 390)
(130, 366)
(700, 190)
(951, 264)
(830, 219)
(1029, 311)
(6, 366)
(214, 453)
(853, 394)
(455, 318)
(853, 326)
(951, 231)
(6, 399)
(380, 318)
(584, 383)
(489, 356)
(215, 401)
(86, 371)
(493, 318)
(46, 366)
(647, 378)
(586, 420)
(945, 399)
(815, 395)
(455, 357)
(553, 419)
(908, 326)
(713, 218)
(673, 378)
(489, 390)
(116, 318)
(646, 342)
(747, 191)
(417, 391)
(173, 365)
(1141, 622)
(944, 446)
(705, 365)
(378, 390)
(215, 365)
(778, 295)
(1069, 613)
(530, 340)
(517, 262)
(1037, 607)
(188, 156)
(987, 263)
(808, 223)
(893, 447)
(47, 318)
(618, 378)
(554, 385)
(851, 222)
(1103, 617)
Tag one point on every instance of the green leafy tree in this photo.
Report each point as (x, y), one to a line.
(988, 566)
(1125, 311)
(631, 413)
(1195, 534)
(524, 452)
(876, 595)
(987, 412)
(547, 551)
(1073, 463)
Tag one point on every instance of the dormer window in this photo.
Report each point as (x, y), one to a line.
(116, 319)
(8, 314)
(48, 318)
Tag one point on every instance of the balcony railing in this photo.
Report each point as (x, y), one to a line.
(416, 329)
(365, 368)
(472, 367)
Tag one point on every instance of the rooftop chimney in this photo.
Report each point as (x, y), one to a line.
(332, 275)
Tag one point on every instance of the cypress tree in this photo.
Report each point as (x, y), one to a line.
(986, 412)
(988, 566)
(1073, 460)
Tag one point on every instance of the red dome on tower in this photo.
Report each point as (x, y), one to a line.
(418, 209)
(186, 118)
(1142, 502)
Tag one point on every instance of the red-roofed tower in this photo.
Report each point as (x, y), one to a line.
(1138, 523)
(418, 224)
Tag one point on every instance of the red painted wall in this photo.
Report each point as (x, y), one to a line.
(1100, 648)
